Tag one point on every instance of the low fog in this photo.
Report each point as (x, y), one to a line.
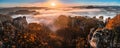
(48, 17)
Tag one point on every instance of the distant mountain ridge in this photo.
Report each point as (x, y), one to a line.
(1, 8)
(106, 8)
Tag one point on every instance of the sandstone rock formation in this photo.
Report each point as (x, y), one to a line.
(20, 22)
(5, 18)
(114, 22)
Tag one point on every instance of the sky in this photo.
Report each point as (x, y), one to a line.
(4, 3)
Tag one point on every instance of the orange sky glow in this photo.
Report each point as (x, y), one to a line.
(52, 4)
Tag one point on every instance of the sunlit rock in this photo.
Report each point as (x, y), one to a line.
(62, 21)
(114, 22)
(35, 26)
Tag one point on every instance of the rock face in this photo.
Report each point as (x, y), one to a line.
(114, 23)
(35, 26)
(1, 26)
(20, 22)
(62, 21)
(102, 38)
(72, 33)
(4, 18)
(108, 36)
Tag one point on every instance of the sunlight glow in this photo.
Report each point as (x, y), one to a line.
(53, 4)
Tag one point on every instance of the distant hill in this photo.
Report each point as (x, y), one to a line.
(108, 8)
(13, 9)
(95, 6)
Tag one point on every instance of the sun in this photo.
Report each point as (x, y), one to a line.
(53, 4)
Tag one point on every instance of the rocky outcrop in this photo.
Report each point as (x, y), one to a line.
(1, 26)
(72, 33)
(20, 22)
(114, 22)
(5, 18)
(62, 21)
(35, 26)
(107, 36)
